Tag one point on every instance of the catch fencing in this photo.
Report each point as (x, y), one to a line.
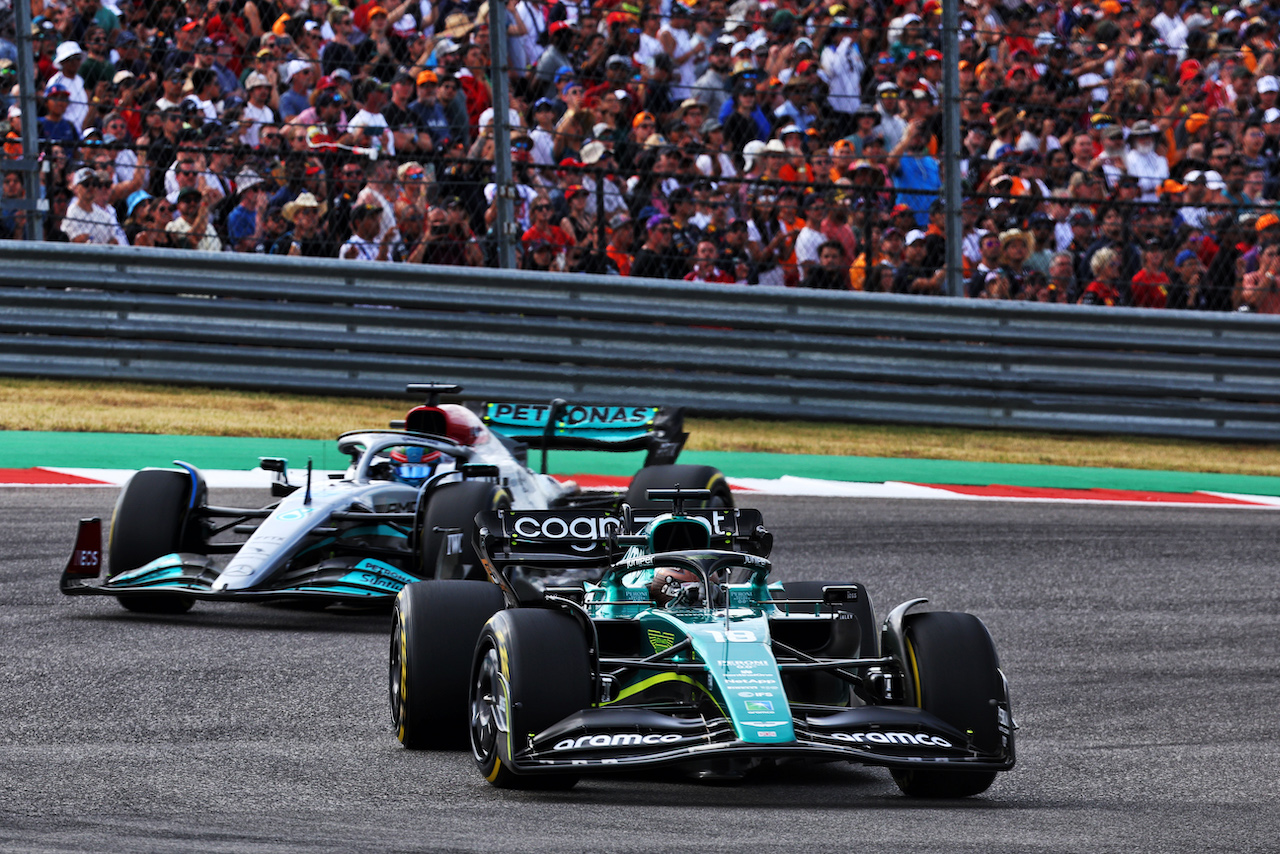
(339, 327)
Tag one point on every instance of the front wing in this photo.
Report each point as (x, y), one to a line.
(192, 575)
(888, 736)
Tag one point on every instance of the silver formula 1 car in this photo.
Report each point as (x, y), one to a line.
(402, 512)
(684, 652)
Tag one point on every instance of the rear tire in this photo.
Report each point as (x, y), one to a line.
(532, 669)
(687, 477)
(153, 518)
(953, 664)
(454, 506)
(433, 639)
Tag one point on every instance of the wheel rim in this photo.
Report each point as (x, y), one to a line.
(488, 707)
(396, 673)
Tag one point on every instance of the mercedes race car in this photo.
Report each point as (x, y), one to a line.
(685, 652)
(402, 511)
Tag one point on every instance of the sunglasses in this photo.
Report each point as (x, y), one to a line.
(542, 207)
(413, 176)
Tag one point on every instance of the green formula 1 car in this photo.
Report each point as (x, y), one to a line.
(684, 652)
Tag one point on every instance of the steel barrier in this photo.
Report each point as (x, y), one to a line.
(341, 327)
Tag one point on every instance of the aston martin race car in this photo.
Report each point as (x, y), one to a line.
(401, 512)
(684, 652)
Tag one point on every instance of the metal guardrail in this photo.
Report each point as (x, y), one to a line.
(309, 325)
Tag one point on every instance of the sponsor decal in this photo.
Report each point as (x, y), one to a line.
(768, 733)
(743, 665)
(755, 693)
(453, 544)
(619, 739)
(759, 707)
(758, 724)
(536, 414)
(661, 641)
(570, 528)
(921, 739)
(397, 507)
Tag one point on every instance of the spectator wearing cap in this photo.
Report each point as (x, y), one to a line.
(68, 58)
(579, 222)
(301, 79)
(368, 125)
(191, 229)
(1041, 228)
(451, 97)
(429, 113)
(714, 88)
(54, 126)
(542, 135)
(714, 161)
(888, 104)
(677, 41)
(655, 260)
(1185, 283)
(383, 51)
(915, 275)
(185, 36)
(554, 57)
(257, 111)
(324, 123)
(364, 245)
(409, 134)
(86, 221)
(843, 64)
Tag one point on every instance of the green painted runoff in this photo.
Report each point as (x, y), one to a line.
(21, 449)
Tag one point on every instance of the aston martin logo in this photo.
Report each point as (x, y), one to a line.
(661, 641)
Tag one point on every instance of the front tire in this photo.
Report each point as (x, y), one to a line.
(532, 669)
(154, 517)
(955, 674)
(687, 477)
(433, 638)
(454, 506)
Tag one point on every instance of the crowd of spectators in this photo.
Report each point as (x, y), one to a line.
(1113, 153)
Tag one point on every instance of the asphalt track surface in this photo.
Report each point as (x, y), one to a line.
(1141, 644)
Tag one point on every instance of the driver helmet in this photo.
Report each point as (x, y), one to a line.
(414, 465)
(675, 585)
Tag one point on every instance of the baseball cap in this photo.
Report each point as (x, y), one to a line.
(427, 77)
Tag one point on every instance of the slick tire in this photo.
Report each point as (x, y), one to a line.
(152, 518)
(531, 670)
(433, 638)
(687, 477)
(955, 673)
(454, 506)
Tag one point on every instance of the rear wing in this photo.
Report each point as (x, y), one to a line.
(595, 539)
(581, 427)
